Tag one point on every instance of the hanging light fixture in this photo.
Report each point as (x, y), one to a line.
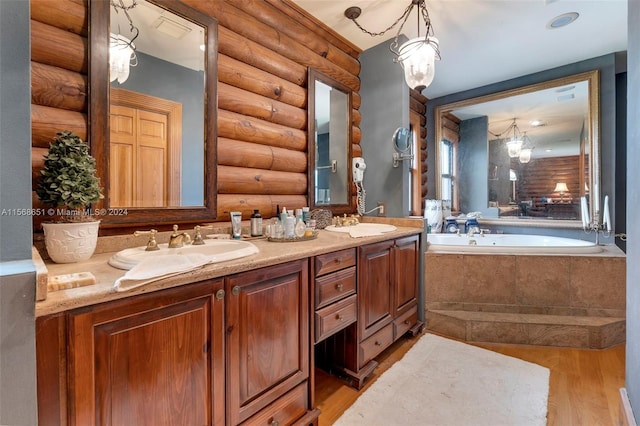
(514, 143)
(525, 151)
(122, 54)
(416, 56)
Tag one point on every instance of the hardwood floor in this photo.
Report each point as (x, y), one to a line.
(583, 387)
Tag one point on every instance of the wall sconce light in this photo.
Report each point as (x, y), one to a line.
(561, 187)
(416, 56)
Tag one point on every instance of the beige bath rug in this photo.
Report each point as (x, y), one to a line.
(445, 382)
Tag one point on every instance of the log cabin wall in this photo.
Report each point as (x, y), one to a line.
(538, 178)
(417, 111)
(264, 50)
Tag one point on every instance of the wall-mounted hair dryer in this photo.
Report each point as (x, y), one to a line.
(358, 169)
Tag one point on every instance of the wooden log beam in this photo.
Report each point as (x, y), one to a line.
(356, 117)
(236, 126)
(252, 79)
(254, 54)
(37, 164)
(59, 48)
(295, 30)
(356, 135)
(58, 88)
(318, 27)
(69, 15)
(249, 28)
(356, 150)
(356, 100)
(47, 121)
(417, 106)
(244, 180)
(247, 154)
(247, 103)
(265, 203)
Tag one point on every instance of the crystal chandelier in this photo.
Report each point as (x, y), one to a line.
(416, 56)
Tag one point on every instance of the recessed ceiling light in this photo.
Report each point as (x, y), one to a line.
(562, 20)
(548, 150)
(536, 123)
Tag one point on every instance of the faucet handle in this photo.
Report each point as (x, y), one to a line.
(152, 244)
(197, 237)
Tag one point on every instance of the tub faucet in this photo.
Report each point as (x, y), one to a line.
(178, 240)
(473, 230)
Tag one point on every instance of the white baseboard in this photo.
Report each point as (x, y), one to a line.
(626, 414)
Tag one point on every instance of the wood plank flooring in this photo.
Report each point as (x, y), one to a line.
(583, 389)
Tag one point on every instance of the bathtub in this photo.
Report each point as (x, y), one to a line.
(508, 244)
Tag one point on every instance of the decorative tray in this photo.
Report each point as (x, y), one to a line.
(313, 236)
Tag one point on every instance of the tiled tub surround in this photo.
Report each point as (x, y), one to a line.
(552, 300)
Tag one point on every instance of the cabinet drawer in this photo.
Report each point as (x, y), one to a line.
(285, 410)
(331, 262)
(404, 322)
(335, 286)
(335, 317)
(375, 344)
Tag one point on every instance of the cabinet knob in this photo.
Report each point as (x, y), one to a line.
(339, 286)
(378, 343)
(338, 260)
(220, 294)
(340, 317)
(407, 322)
(235, 290)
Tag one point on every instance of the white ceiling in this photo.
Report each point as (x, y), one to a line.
(487, 41)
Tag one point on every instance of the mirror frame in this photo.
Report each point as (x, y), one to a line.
(593, 117)
(313, 76)
(98, 118)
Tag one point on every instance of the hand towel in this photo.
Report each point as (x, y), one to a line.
(155, 268)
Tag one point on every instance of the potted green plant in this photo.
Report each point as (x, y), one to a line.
(69, 185)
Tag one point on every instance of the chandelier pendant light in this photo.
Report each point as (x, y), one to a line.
(122, 51)
(416, 56)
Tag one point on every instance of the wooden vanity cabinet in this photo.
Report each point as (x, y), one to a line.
(227, 351)
(268, 340)
(387, 301)
(155, 359)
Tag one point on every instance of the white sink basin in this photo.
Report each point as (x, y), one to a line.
(217, 250)
(363, 227)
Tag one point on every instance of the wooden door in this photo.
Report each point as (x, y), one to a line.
(267, 337)
(375, 293)
(155, 359)
(145, 150)
(405, 262)
(139, 156)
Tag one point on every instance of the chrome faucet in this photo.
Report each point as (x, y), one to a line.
(178, 240)
(473, 230)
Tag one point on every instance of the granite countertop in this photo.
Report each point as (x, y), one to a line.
(271, 253)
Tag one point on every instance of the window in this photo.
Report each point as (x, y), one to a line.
(447, 178)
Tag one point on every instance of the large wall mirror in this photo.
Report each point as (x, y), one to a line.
(152, 116)
(527, 153)
(329, 143)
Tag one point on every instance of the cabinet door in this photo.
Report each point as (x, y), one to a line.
(267, 336)
(405, 255)
(375, 293)
(155, 359)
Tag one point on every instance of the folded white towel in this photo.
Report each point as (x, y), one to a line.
(155, 268)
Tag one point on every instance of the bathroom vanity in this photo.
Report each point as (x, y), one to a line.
(231, 343)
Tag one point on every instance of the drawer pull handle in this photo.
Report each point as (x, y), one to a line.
(339, 286)
(338, 260)
(407, 322)
(378, 343)
(340, 317)
(220, 294)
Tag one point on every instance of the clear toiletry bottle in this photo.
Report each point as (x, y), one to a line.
(300, 228)
(256, 224)
(289, 225)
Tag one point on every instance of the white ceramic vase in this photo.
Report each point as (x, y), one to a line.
(71, 242)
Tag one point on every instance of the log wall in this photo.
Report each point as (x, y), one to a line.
(264, 50)
(418, 109)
